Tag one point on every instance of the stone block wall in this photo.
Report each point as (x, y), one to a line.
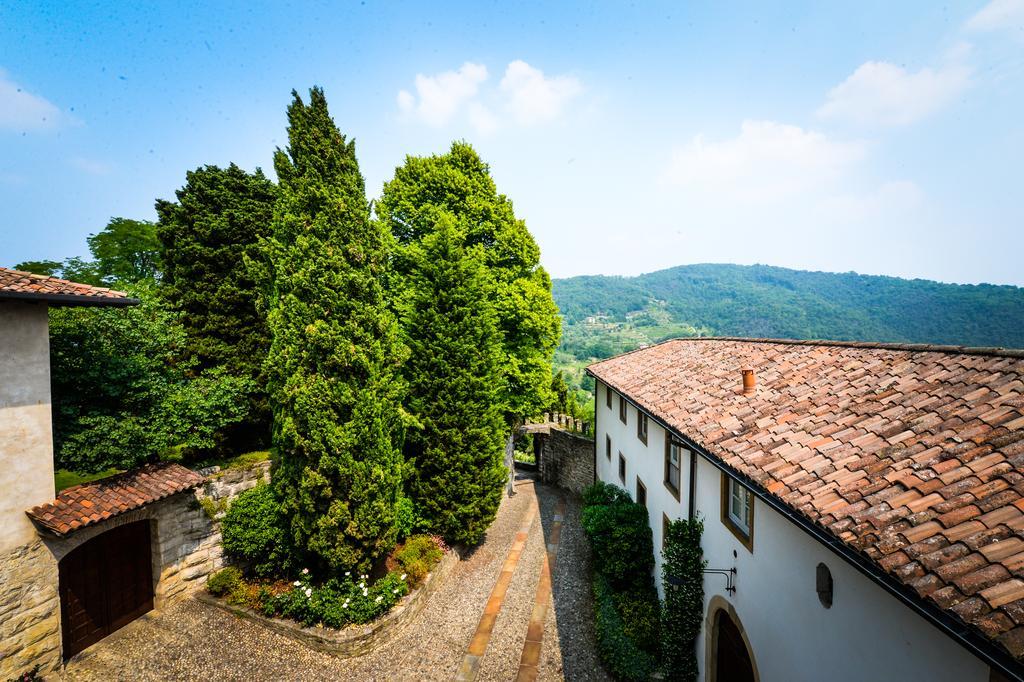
(565, 459)
(29, 610)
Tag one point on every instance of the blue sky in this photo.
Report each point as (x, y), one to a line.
(880, 137)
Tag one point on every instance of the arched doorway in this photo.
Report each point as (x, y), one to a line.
(105, 584)
(732, 659)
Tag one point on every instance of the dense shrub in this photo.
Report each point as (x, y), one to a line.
(415, 558)
(602, 493)
(621, 541)
(684, 598)
(626, 609)
(641, 616)
(337, 602)
(253, 532)
(621, 655)
(224, 581)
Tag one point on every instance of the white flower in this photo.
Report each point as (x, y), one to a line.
(309, 591)
(296, 583)
(363, 577)
(364, 593)
(305, 571)
(345, 605)
(403, 577)
(348, 572)
(394, 591)
(378, 599)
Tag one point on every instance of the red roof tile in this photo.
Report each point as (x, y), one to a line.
(15, 284)
(913, 455)
(89, 503)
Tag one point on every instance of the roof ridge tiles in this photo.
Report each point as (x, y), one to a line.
(990, 351)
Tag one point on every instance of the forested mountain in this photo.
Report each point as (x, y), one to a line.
(604, 315)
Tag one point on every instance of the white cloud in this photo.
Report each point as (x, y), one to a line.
(998, 14)
(90, 166)
(22, 111)
(524, 97)
(438, 98)
(534, 97)
(766, 161)
(880, 93)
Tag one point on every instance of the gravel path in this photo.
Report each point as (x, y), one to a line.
(195, 641)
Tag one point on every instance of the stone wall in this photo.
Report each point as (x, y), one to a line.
(565, 459)
(29, 610)
(186, 548)
(354, 640)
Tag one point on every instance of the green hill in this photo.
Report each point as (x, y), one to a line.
(605, 315)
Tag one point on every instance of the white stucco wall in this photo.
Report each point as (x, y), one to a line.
(26, 438)
(866, 634)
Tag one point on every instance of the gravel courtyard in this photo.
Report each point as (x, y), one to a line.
(194, 641)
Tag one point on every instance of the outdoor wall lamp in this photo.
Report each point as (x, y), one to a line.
(674, 581)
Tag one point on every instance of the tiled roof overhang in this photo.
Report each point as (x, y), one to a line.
(27, 286)
(842, 439)
(89, 503)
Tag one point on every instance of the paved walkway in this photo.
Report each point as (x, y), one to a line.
(519, 604)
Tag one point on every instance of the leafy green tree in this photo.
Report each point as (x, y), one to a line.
(454, 382)
(459, 183)
(206, 237)
(335, 355)
(50, 268)
(119, 397)
(126, 250)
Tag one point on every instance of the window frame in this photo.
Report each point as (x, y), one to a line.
(608, 447)
(608, 396)
(640, 486)
(667, 481)
(665, 521)
(641, 426)
(622, 468)
(744, 534)
(623, 409)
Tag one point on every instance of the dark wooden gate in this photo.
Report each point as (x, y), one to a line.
(105, 584)
(732, 658)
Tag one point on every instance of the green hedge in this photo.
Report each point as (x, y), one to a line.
(626, 609)
(621, 655)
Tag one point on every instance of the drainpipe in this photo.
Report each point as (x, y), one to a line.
(596, 384)
(693, 485)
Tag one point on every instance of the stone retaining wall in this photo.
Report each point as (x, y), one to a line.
(565, 459)
(354, 640)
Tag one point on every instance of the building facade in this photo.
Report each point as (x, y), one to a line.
(788, 597)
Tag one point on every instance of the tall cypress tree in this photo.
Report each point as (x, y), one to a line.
(215, 225)
(334, 358)
(454, 385)
(460, 183)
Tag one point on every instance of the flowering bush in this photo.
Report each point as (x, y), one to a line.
(337, 602)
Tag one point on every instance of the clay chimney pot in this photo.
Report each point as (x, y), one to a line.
(749, 381)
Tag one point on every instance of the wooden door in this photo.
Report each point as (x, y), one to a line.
(732, 660)
(105, 584)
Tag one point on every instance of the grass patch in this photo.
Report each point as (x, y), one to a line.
(62, 478)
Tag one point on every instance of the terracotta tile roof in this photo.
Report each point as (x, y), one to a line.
(911, 455)
(83, 505)
(26, 285)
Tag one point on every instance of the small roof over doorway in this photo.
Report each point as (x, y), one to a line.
(27, 286)
(90, 503)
